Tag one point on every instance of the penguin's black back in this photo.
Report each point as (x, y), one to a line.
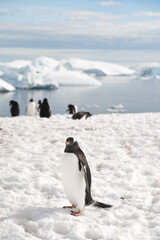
(45, 109)
(80, 115)
(83, 161)
(15, 110)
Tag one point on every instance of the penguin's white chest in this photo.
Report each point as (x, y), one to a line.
(31, 108)
(73, 180)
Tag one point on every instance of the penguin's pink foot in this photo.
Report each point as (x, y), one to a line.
(76, 214)
(69, 206)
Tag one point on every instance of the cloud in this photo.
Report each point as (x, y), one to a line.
(110, 3)
(96, 30)
(108, 30)
(148, 14)
(9, 12)
(86, 16)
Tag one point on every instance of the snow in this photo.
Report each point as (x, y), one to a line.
(49, 73)
(123, 154)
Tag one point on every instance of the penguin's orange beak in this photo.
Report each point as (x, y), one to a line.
(68, 143)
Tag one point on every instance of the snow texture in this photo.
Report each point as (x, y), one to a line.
(48, 73)
(123, 151)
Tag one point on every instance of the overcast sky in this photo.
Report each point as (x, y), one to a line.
(123, 24)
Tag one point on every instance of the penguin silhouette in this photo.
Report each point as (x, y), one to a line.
(45, 110)
(80, 115)
(38, 107)
(14, 108)
(72, 109)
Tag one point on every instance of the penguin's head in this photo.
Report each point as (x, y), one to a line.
(11, 102)
(69, 141)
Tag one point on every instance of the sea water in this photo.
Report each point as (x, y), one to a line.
(136, 96)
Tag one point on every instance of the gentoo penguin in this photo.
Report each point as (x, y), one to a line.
(45, 110)
(80, 115)
(72, 109)
(38, 106)
(14, 108)
(31, 108)
(76, 178)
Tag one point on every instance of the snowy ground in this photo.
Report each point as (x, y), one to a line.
(123, 151)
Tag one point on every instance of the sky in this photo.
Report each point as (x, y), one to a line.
(82, 24)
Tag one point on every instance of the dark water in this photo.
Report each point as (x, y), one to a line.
(136, 96)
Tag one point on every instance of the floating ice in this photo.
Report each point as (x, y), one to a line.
(116, 109)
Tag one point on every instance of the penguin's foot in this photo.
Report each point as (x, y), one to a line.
(76, 214)
(69, 206)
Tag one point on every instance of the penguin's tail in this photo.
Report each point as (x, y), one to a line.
(101, 205)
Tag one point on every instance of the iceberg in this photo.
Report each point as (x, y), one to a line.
(116, 109)
(44, 73)
(98, 67)
(49, 73)
(147, 71)
(5, 87)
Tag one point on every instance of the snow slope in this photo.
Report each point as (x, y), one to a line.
(123, 153)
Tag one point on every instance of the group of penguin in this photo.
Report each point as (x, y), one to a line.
(75, 171)
(43, 109)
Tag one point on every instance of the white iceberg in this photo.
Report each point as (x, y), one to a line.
(116, 109)
(5, 87)
(98, 67)
(147, 71)
(44, 72)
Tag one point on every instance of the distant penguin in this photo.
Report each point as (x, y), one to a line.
(76, 178)
(80, 115)
(38, 106)
(31, 108)
(45, 110)
(72, 109)
(14, 108)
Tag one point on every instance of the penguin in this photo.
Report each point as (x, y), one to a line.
(38, 106)
(31, 108)
(80, 115)
(14, 108)
(72, 109)
(76, 178)
(45, 110)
